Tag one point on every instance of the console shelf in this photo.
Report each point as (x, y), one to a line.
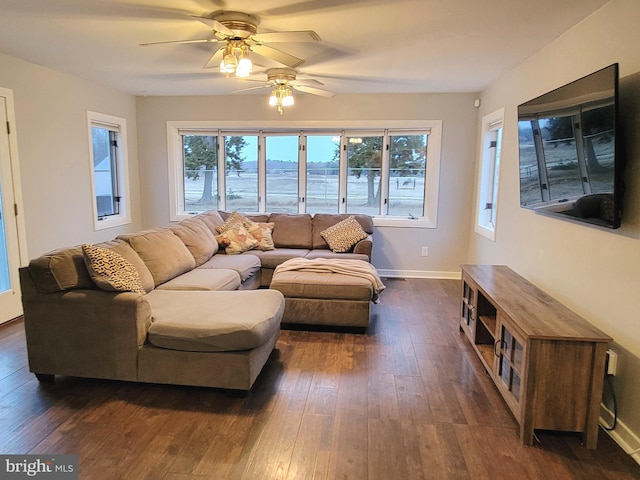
(546, 361)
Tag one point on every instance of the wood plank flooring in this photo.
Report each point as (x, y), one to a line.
(407, 399)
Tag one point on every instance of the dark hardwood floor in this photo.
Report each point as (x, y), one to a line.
(408, 399)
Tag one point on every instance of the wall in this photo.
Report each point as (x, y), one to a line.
(53, 150)
(595, 272)
(396, 249)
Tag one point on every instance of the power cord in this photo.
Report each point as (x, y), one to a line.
(615, 404)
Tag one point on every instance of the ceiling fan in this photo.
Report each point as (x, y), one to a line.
(282, 81)
(237, 34)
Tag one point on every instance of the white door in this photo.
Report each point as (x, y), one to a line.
(10, 301)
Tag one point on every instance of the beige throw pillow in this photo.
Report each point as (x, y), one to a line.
(236, 240)
(261, 231)
(344, 235)
(111, 271)
(232, 220)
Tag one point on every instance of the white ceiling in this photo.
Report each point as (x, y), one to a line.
(368, 46)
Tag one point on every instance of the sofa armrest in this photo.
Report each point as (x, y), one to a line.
(364, 246)
(84, 333)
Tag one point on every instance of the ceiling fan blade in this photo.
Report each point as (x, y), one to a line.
(291, 37)
(199, 40)
(250, 88)
(214, 60)
(305, 81)
(277, 55)
(216, 25)
(314, 91)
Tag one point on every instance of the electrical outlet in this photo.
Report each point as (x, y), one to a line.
(611, 363)
(425, 251)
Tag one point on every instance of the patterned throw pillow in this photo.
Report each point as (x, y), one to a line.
(261, 232)
(234, 219)
(236, 240)
(342, 236)
(111, 271)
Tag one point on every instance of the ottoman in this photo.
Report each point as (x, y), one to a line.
(324, 298)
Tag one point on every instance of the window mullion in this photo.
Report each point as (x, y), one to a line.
(262, 172)
(344, 171)
(385, 174)
(302, 173)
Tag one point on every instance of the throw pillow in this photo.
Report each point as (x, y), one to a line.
(261, 231)
(344, 235)
(234, 219)
(236, 240)
(111, 271)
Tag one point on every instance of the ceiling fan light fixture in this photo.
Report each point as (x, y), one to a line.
(245, 67)
(281, 96)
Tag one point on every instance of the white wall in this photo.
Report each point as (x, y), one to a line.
(593, 271)
(53, 149)
(395, 249)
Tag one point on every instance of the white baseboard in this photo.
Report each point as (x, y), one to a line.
(419, 274)
(622, 435)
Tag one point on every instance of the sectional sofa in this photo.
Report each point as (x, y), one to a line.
(194, 315)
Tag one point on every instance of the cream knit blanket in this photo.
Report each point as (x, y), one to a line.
(356, 268)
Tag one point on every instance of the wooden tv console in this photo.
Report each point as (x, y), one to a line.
(546, 361)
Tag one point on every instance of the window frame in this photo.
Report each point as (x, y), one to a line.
(302, 129)
(489, 172)
(119, 126)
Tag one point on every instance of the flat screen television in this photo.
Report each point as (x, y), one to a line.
(570, 161)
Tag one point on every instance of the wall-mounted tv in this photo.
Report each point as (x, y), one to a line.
(570, 160)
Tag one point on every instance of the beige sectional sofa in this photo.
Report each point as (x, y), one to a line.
(201, 320)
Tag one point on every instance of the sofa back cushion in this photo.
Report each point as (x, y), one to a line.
(198, 239)
(164, 254)
(322, 221)
(59, 270)
(291, 231)
(211, 219)
(124, 249)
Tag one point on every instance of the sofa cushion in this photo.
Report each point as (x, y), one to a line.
(163, 253)
(273, 258)
(214, 321)
(59, 270)
(291, 231)
(246, 265)
(236, 240)
(344, 235)
(204, 279)
(197, 237)
(124, 249)
(110, 271)
(211, 219)
(322, 221)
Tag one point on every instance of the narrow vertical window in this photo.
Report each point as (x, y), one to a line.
(408, 164)
(282, 173)
(108, 160)
(241, 172)
(489, 174)
(323, 169)
(364, 162)
(200, 175)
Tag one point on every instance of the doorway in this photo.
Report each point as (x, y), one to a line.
(12, 247)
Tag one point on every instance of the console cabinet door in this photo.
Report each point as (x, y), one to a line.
(468, 309)
(510, 366)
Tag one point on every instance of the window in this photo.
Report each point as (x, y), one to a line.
(389, 173)
(487, 201)
(108, 161)
(322, 167)
(282, 173)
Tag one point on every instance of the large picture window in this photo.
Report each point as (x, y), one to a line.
(388, 173)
